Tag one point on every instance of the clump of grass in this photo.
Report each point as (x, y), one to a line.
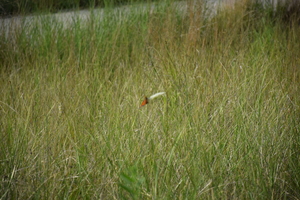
(228, 128)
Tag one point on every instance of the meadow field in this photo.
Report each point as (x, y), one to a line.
(227, 128)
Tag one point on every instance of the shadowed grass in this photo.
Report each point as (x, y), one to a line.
(228, 127)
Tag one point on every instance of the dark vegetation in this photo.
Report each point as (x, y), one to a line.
(287, 10)
(12, 7)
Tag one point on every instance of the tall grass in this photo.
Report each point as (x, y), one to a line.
(228, 128)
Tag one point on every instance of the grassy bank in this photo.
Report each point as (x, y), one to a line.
(228, 128)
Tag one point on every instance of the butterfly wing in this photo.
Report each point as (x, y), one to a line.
(144, 102)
